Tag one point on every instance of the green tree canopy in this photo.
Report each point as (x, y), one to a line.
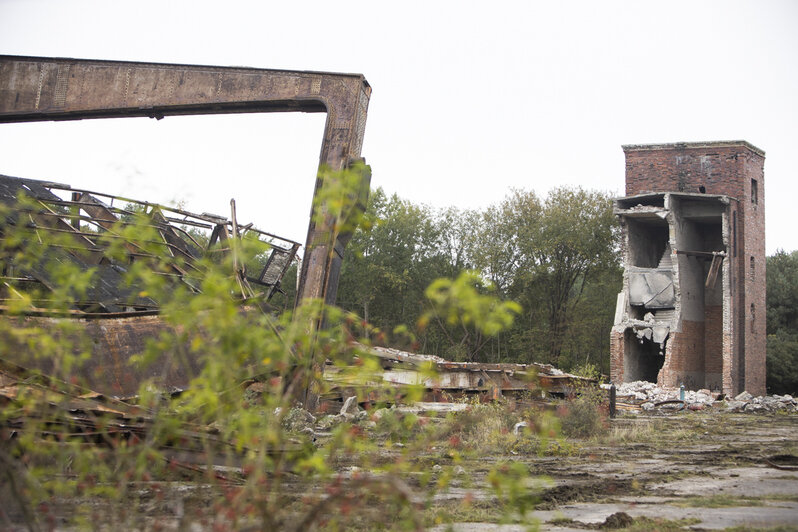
(558, 257)
(782, 322)
(548, 254)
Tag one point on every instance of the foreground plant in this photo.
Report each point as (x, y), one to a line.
(222, 452)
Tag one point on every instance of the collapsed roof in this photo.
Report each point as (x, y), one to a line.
(86, 223)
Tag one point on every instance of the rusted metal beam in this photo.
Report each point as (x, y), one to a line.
(41, 89)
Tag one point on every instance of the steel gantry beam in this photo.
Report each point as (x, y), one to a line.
(41, 89)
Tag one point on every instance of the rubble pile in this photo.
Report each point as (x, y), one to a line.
(648, 396)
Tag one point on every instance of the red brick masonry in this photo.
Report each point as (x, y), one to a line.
(731, 356)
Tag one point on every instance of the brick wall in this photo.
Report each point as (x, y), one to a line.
(713, 347)
(718, 167)
(616, 356)
(725, 168)
(753, 245)
(684, 361)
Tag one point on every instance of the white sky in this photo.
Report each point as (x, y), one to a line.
(468, 100)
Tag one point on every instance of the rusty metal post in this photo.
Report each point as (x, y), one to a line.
(613, 403)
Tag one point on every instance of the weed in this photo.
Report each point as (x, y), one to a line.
(468, 510)
(588, 370)
(718, 501)
(648, 524)
(255, 452)
(783, 528)
(563, 521)
(583, 417)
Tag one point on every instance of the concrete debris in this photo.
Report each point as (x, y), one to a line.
(518, 426)
(378, 414)
(348, 405)
(744, 396)
(298, 420)
(329, 422)
(647, 396)
(423, 407)
(443, 380)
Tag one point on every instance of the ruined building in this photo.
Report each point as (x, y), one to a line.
(692, 309)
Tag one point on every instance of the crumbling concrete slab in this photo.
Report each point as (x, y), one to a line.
(771, 515)
(739, 481)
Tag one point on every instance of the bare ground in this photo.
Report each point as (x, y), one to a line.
(689, 470)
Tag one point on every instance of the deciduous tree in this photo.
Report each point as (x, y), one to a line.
(782, 322)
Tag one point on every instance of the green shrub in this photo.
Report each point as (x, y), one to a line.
(261, 463)
(584, 416)
(588, 370)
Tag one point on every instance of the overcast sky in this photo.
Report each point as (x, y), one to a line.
(469, 99)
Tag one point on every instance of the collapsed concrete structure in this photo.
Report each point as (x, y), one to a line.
(692, 309)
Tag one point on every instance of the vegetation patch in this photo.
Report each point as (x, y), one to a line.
(584, 417)
(783, 528)
(718, 501)
(648, 524)
(467, 510)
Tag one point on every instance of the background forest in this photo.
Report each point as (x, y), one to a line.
(558, 257)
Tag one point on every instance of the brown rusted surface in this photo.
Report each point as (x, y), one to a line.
(111, 344)
(38, 89)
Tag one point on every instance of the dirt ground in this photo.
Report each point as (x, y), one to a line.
(696, 470)
(680, 471)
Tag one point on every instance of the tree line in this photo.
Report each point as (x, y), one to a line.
(558, 257)
(782, 322)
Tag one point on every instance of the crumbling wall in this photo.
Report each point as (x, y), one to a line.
(689, 230)
(649, 238)
(717, 330)
(644, 314)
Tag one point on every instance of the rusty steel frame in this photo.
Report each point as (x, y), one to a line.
(91, 220)
(48, 89)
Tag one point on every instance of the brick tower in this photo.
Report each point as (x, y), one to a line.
(692, 310)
